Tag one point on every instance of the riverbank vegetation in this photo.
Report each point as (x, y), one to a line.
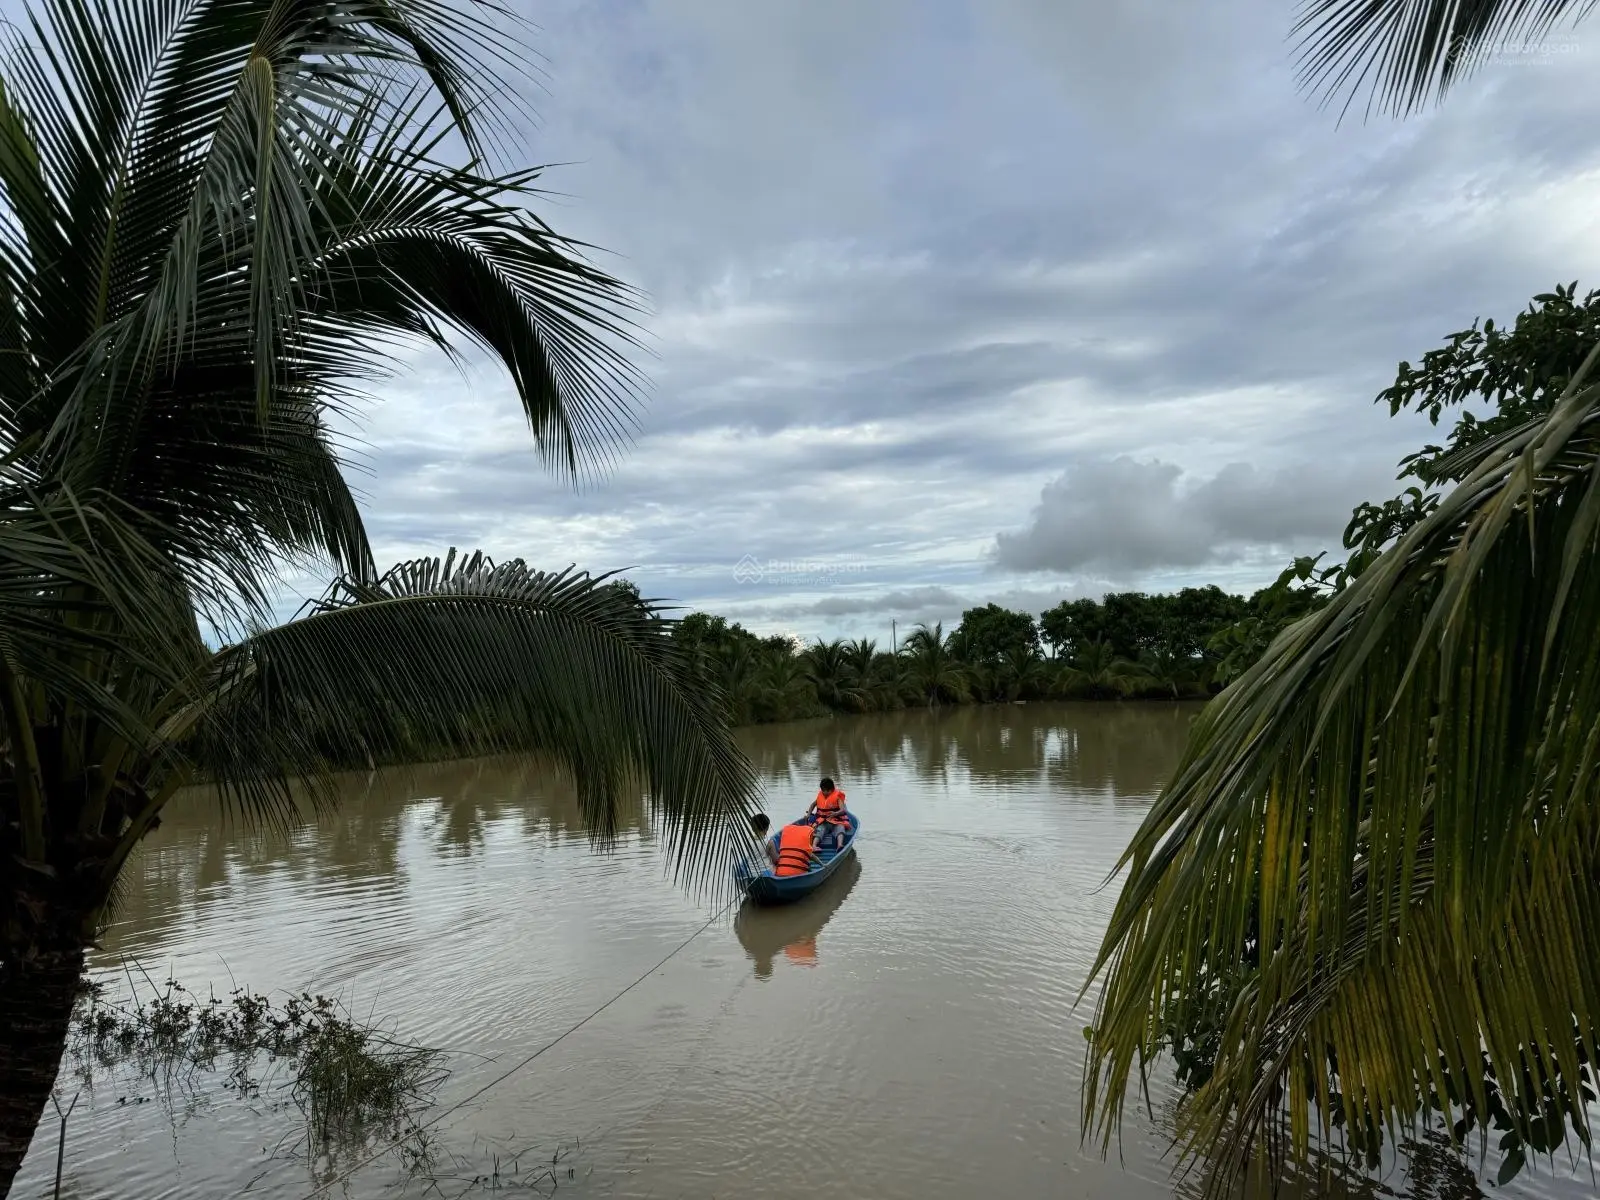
(222, 219)
(351, 1084)
(1127, 646)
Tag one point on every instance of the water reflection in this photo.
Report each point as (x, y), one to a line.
(792, 929)
(1123, 750)
(465, 905)
(200, 860)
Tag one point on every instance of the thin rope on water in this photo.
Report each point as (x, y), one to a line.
(625, 1125)
(343, 1176)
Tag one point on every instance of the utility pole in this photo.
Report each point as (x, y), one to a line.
(894, 638)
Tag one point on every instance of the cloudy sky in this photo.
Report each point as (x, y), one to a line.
(989, 300)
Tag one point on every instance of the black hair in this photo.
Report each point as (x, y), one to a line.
(827, 784)
(759, 822)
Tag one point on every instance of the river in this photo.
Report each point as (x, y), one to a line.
(909, 1032)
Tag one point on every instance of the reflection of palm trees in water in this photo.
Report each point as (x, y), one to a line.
(1121, 746)
(448, 808)
(1128, 751)
(791, 929)
(801, 752)
(358, 838)
(475, 794)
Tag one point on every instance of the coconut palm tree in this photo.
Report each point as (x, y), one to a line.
(1097, 670)
(860, 656)
(1022, 672)
(783, 688)
(739, 684)
(218, 218)
(1383, 841)
(883, 683)
(1166, 671)
(827, 668)
(932, 668)
(1411, 52)
(872, 676)
(1401, 788)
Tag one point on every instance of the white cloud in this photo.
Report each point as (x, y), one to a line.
(1127, 517)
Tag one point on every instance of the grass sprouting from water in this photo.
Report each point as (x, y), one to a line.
(352, 1083)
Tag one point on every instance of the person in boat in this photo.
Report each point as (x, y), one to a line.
(797, 849)
(759, 825)
(829, 814)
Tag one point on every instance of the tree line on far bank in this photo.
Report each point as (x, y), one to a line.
(1127, 645)
(1185, 645)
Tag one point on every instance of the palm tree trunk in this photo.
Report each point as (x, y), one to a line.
(35, 1012)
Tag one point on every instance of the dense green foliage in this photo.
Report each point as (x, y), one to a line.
(1127, 645)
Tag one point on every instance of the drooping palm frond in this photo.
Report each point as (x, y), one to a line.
(218, 212)
(216, 219)
(1407, 53)
(64, 615)
(472, 657)
(154, 125)
(408, 246)
(1389, 830)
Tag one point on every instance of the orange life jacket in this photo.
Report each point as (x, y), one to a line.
(794, 850)
(830, 808)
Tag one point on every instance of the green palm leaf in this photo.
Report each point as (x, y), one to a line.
(1409, 52)
(472, 657)
(220, 210)
(1388, 828)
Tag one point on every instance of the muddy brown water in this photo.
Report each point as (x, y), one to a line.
(909, 1031)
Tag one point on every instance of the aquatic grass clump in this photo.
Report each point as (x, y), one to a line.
(350, 1082)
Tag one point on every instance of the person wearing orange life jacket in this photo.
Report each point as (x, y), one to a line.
(828, 812)
(796, 850)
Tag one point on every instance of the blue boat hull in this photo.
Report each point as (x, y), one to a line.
(763, 887)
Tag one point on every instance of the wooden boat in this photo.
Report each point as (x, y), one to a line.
(790, 930)
(764, 887)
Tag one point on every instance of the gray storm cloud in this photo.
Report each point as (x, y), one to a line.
(1124, 517)
(907, 263)
(913, 603)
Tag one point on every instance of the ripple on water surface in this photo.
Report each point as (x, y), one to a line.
(909, 1031)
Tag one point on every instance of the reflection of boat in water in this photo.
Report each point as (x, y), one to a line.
(791, 929)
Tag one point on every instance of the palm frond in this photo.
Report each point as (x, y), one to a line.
(217, 215)
(410, 246)
(1406, 53)
(444, 658)
(1397, 812)
(84, 602)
